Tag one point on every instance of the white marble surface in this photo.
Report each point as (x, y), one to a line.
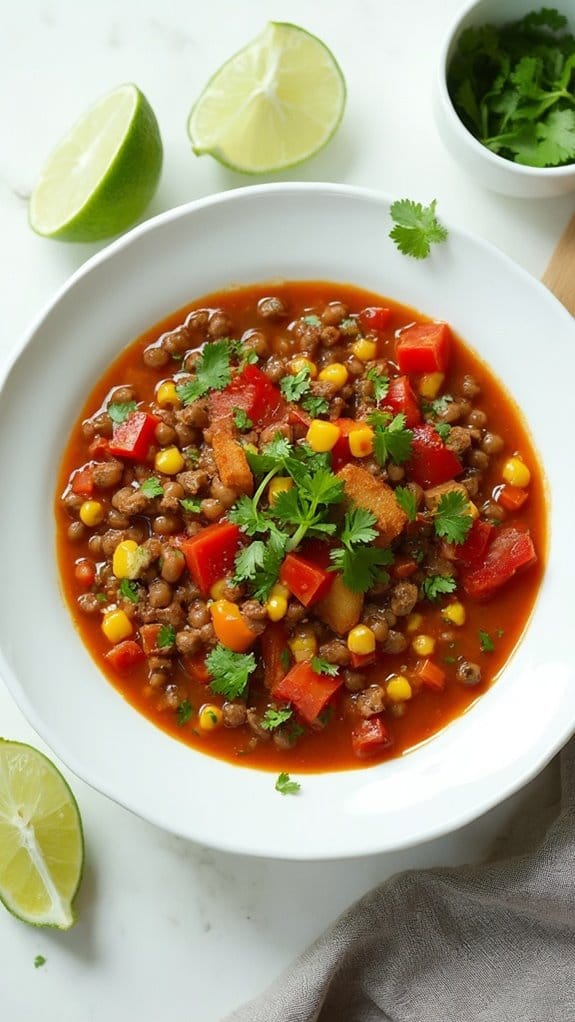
(163, 924)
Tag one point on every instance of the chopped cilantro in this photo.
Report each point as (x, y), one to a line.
(443, 429)
(166, 636)
(295, 732)
(391, 439)
(230, 671)
(452, 519)
(416, 227)
(191, 454)
(315, 405)
(321, 666)
(407, 501)
(119, 411)
(242, 420)
(294, 387)
(486, 642)
(285, 659)
(285, 786)
(437, 407)
(193, 507)
(273, 719)
(152, 487)
(184, 712)
(379, 382)
(129, 590)
(361, 564)
(436, 585)
(212, 372)
(348, 325)
(312, 320)
(39, 961)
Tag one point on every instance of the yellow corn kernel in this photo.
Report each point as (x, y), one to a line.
(414, 622)
(169, 461)
(472, 510)
(516, 473)
(423, 645)
(276, 607)
(361, 442)
(281, 484)
(336, 374)
(322, 436)
(454, 613)
(92, 512)
(364, 349)
(209, 717)
(280, 590)
(166, 395)
(398, 689)
(250, 448)
(430, 384)
(301, 362)
(361, 640)
(122, 561)
(217, 592)
(304, 644)
(116, 625)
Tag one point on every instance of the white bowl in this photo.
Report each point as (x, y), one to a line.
(295, 231)
(486, 167)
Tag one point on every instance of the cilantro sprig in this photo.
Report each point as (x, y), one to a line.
(294, 387)
(416, 227)
(321, 666)
(230, 671)
(379, 383)
(437, 585)
(119, 411)
(452, 520)
(391, 440)
(152, 487)
(273, 718)
(407, 501)
(212, 369)
(285, 785)
(361, 564)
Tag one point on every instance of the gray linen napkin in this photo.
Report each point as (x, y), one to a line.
(487, 943)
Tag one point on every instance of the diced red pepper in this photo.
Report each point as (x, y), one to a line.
(424, 348)
(133, 437)
(473, 550)
(374, 319)
(431, 675)
(210, 554)
(253, 392)
(307, 581)
(369, 738)
(401, 398)
(307, 690)
(99, 447)
(361, 660)
(196, 667)
(510, 551)
(340, 452)
(512, 498)
(431, 462)
(403, 567)
(300, 421)
(83, 482)
(275, 654)
(125, 655)
(149, 636)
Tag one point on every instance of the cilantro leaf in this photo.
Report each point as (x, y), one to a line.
(416, 227)
(212, 372)
(273, 719)
(285, 658)
(152, 487)
(486, 642)
(246, 514)
(193, 507)
(39, 961)
(249, 560)
(166, 636)
(119, 411)
(438, 406)
(129, 590)
(242, 420)
(312, 320)
(437, 585)
(379, 382)
(358, 527)
(391, 439)
(443, 429)
(267, 574)
(315, 405)
(230, 671)
(285, 786)
(452, 519)
(294, 387)
(407, 502)
(321, 666)
(362, 567)
(184, 712)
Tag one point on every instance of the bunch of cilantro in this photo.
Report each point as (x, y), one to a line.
(513, 86)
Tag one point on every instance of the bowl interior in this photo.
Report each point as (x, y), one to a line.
(257, 234)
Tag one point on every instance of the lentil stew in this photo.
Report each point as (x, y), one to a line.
(300, 526)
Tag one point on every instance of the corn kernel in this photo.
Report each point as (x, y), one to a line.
(361, 640)
(91, 512)
(169, 461)
(250, 448)
(398, 689)
(281, 484)
(280, 590)
(364, 349)
(304, 644)
(336, 374)
(430, 384)
(472, 510)
(423, 645)
(322, 436)
(218, 590)
(361, 442)
(301, 362)
(209, 717)
(414, 622)
(166, 395)
(516, 473)
(276, 607)
(123, 559)
(454, 613)
(116, 625)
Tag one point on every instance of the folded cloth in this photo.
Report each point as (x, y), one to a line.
(486, 943)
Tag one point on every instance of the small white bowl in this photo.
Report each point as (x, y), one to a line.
(486, 167)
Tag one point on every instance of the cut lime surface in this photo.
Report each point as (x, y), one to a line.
(41, 840)
(272, 105)
(102, 175)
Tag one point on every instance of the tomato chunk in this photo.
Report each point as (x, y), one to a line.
(401, 398)
(275, 654)
(133, 437)
(431, 675)
(360, 660)
(431, 462)
(424, 348)
(196, 667)
(511, 497)
(473, 550)
(253, 392)
(307, 690)
(83, 482)
(374, 319)
(369, 738)
(125, 655)
(340, 452)
(306, 580)
(511, 551)
(210, 555)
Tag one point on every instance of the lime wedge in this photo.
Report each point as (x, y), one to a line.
(272, 105)
(41, 841)
(100, 178)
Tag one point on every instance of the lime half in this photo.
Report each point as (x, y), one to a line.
(100, 178)
(272, 105)
(41, 841)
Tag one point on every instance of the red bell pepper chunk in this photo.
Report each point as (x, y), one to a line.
(125, 655)
(340, 452)
(307, 690)
(512, 498)
(133, 437)
(83, 482)
(510, 552)
(149, 636)
(210, 554)
(253, 392)
(424, 348)
(306, 580)
(473, 549)
(99, 447)
(431, 462)
(431, 675)
(400, 398)
(361, 660)
(196, 667)
(369, 738)
(274, 649)
(374, 319)
(403, 567)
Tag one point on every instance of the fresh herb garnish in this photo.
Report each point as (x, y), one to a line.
(285, 659)
(39, 961)
(184, 712)
(348, 325)
(191, 454)
(486, 642)
(129, 590)
(212, 371)
(294, 387)
(193, 507)
(407, 501)
(295, 731)
(166, 636)
(361, 564)
(119, 411)
(379, 382)
(312, 320)
(437, 407)
(452, 519)
(273, 719)
(443, 429)
(437, 585)
(416, 227)
(152, 487)
(230, 671)
(242, 420)
(321, 666)
(285, 785)
(315, 405)
(260, 563)
(391, 439)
